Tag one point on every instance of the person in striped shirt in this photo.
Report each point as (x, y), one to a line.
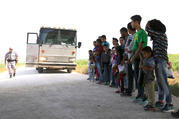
(156, 30)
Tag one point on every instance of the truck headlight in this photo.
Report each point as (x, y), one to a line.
(43, 59)
(72, 60)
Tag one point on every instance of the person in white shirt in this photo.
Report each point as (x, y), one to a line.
(11, 59)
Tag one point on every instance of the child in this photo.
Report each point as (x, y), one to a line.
(123, 76)
(147, 68)
(90, 56)
(105, 64)
(112, 66)
(119, 58)
(92, 69)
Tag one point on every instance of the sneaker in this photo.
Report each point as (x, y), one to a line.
(175, 114)
(159, 104)
(117, 91)
(137, 100)
(168, 108)
(123, 94)
(143, 102)
(129, 94)
(149, 108)
(100, 82)
(88, 78)
(126, 94)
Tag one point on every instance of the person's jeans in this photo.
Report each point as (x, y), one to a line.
(162, 80)
(99, 71)
(89, 69)
(91, 75)
(130, 78)
(106, 73)
(136, 75)
(125, 82)
(112, 80)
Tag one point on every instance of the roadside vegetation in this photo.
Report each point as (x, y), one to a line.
(82, 67)
(3, 67)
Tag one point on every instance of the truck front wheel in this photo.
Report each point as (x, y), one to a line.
(69, 70)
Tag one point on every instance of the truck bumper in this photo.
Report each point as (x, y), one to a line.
(54, 66)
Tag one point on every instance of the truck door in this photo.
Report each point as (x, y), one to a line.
(32, 50)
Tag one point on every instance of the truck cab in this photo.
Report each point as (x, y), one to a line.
(52, 49)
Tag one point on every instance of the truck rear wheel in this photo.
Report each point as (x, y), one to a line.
(69, 70)
(40, 70)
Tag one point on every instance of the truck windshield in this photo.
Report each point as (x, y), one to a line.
(58, 37)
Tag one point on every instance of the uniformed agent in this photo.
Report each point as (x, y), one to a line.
(11, 59)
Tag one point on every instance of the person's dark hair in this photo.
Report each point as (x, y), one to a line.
(123, 29)
(122, 37)
(120, 51)
(113, 48)
(115, 39)
(137, 18)
(90, 51)
(99, 40)
(148, 50)
(129, 26)
(103, 36)
(99, 37)
(157, 26)
(94, 41)
(105, 45)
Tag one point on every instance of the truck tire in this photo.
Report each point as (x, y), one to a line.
(40, 70)
(69, 70)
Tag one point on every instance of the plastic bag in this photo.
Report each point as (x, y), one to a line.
(170, 72)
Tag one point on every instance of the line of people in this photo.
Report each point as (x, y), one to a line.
(131, 64)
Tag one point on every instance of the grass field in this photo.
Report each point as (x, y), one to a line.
(174, 58)
(82, 66)
(174, 83)
(3, 68)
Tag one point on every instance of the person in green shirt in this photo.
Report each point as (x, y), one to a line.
(140, 41)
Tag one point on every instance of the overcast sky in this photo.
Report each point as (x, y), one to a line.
(91, 18)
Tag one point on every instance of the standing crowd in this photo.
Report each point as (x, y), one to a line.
(132, 65)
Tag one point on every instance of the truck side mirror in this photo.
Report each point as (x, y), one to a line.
(79, 44)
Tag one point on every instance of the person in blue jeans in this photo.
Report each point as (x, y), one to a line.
(105, 62)
(156, 30)
(90, 57)
(98, 52)
(112, 65)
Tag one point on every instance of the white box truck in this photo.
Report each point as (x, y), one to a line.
(52, 49)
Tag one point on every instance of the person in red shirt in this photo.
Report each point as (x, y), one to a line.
(99, 51)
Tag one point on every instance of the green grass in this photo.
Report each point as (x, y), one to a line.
(82, 62)
(3, 68)
(82, 66)
(174, 58)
